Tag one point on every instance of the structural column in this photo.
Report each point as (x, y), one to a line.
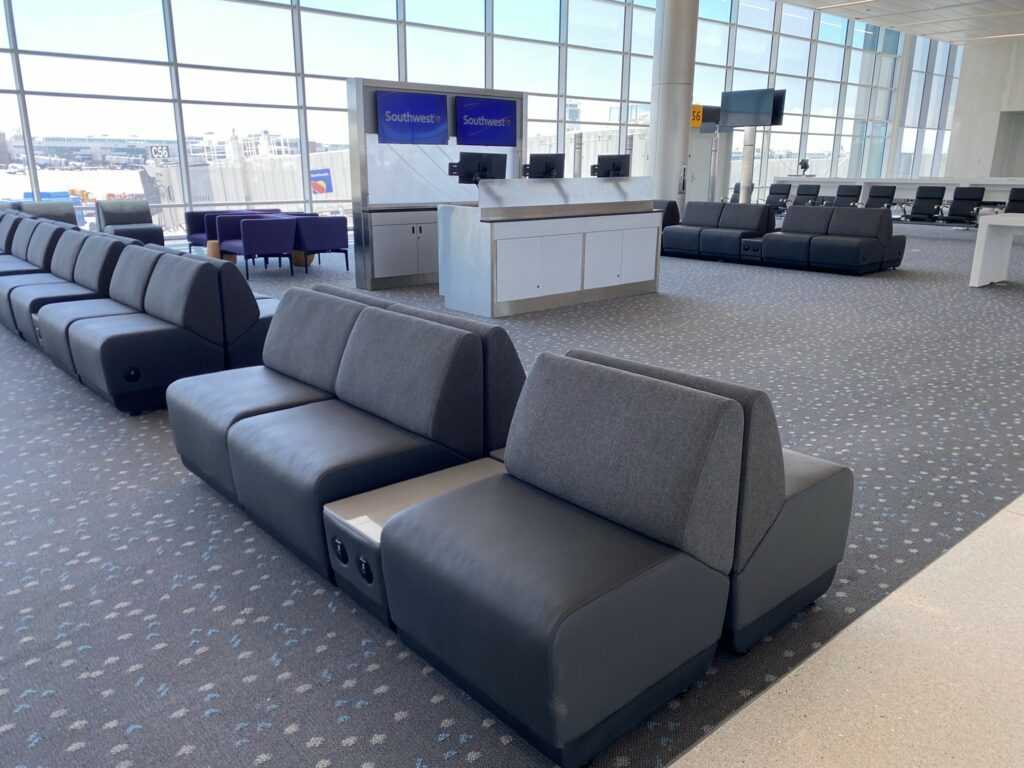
(675, 34)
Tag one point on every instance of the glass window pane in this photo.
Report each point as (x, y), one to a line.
(708, 84)
(640, 74)
(592, 111)
(819, 154)
(458, 14)
(866, 36)
(790, 124)
(941, 58)
(538, 19)
(639, 114)
(131, 29)
(824, 98)
(542, 138)
(828, 62)
(243, 154)
(4, 40)
(643, 32)
(857, 101)
(384, 9)
(885, 67)
(589, 73)
(935, 101)
(959, 60)
(821, 125)
(199, 34)
(522, 66)
(796, 20)
(7, 73)
(542, 107)
(211, 85)
(748, 81)
(597, 140)
(794, 88)
(106, 78)
(832, 29)
(596, 23)
(793, 56)
(952, 103)
(756, 13)
(890, 41)
(719, 10)
(753, 49)
(462, 63)
(915, 93)
(712, 42)
(862, 67)
(921, 54)
(327, 129)
(883, 100)
(370, 50)
(328, 152)
(326, 93)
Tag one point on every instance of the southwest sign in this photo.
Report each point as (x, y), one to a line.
(412, 118)
(485, 122)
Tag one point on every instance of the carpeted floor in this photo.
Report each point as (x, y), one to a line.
(145, 622)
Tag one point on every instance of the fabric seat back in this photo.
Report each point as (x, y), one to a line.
(66, 254)
(55, 210)
(762, 474)
(8, 226)
(655, 457)
(113, 212)
(421, 376)
(96, 262)
(880, 195)
(927, 201)
(185, 292)
(806, 194)
(808, 220)
(23, 237)
(751, 217)
(701, 214)
(130, 279)
(861, 222)
(44, 243)
(308, 336)
(965, 201)
(238, 304)
(846, 195)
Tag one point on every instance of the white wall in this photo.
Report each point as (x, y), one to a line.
(991, 82)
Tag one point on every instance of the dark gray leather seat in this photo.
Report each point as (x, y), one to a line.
(300, 363)
(683, 239)
(410, 402)
(858, 241)
(738, 221)
(793, 514)
(792, 246)
(605, 548)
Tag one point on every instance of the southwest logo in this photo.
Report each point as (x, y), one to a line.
(412, 117)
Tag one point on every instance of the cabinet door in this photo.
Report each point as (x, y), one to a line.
(561, 264)
(518, 263)
(427, 247)
(394, 250)
(639, 254)
(602, 259)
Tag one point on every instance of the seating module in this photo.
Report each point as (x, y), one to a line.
(683, 239)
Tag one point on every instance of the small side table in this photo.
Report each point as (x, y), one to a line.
(353, 527)
(750, 251)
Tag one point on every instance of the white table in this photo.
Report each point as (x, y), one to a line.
(992, 249)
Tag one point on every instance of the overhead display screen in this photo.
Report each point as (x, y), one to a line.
(485, 122)
(404, 117)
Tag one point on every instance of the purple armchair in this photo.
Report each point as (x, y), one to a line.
(257, 237)
(322, 234)
(201, 226)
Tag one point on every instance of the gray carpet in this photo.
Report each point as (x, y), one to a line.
(145, 622)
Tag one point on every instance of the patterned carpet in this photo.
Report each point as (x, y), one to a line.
(145, 622)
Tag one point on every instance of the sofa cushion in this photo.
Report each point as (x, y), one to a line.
(130, 278)
(96, 262)
(786, 248)
(7, 285)
(862, 222)
(746, 216)
(762, 475)
(287, 464)
(423, 376)
(185, 292)
(702, 214)
(808, 219)
(238, 304)
(364, 297)
(856, 255)
(23, 236)
(8, 226)
(681, 239)
(723, 243)
(43, 244)
(13, 265)
(29, 299)
(656, 457)
(308, 335)
(65, 255)
(55, 322)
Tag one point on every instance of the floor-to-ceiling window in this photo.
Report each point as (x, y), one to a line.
(192, 103)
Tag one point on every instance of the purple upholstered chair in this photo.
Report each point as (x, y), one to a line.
(322, 234)
(258, 237)
(201, 226)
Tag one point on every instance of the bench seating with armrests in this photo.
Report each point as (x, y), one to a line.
(128, 218)
(791, 247)
(683, 239)
(738, 221)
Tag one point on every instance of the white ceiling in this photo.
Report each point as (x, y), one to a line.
(954, 20)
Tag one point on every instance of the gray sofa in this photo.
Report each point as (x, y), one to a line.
(791, 247)
(62, 211)
(792, 519)
(607, 546)
(32, 243)
(715, 231)
(683, 239)
(128, 218)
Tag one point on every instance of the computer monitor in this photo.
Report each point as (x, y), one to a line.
(610, 166)
(545, 166)
(741, 109)
(778, 107)
(474, 167)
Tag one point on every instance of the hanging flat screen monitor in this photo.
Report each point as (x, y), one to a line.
(474, 167)
(778, 107)
(406, 117)
(741, 109)
(483, 122)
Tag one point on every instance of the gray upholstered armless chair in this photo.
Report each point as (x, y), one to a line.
(128, 218)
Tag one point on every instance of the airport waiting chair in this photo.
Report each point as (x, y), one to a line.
(880, 196)
(1015, 202)
(321, 234)
(807, 194)
(258, 237)
(926, 206)
(128, 218)
(778, 197)
(846, 195)
(963, 209)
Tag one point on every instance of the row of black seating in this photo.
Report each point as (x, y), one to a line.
(641, 514)
(123, 318)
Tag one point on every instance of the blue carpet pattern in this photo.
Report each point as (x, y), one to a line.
(144, 621)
